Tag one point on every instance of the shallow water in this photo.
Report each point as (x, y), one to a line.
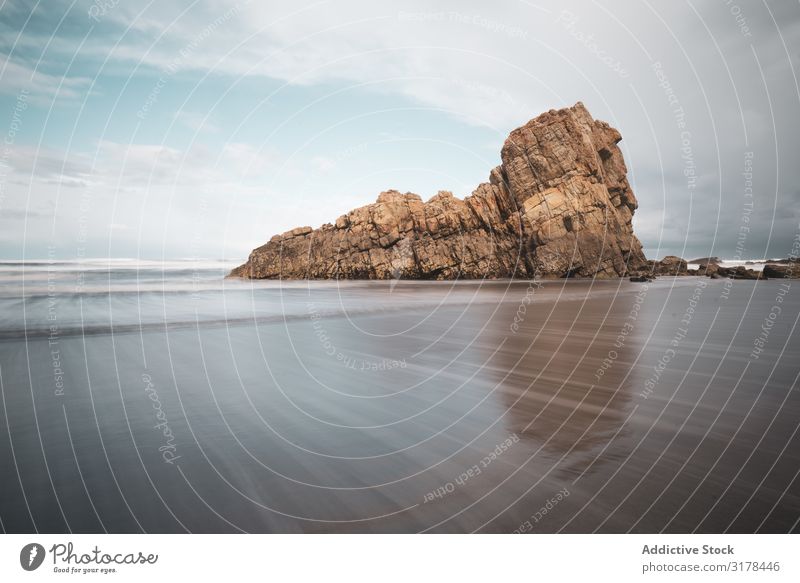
(159, 397)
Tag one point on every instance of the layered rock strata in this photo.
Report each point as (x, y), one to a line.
(559, 205)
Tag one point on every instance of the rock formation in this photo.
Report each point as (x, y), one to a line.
(708, 268)
(789, 270)
(670, 265)
(740, 272)
(559, 205)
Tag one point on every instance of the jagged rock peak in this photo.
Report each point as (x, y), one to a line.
(559, 205)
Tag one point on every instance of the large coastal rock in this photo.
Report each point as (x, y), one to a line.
(559, 205)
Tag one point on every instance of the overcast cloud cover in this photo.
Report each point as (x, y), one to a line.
(200, 129)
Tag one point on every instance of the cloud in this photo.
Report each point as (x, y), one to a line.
(126, 196)
(21, 214)
(492, 67)
(323, 163)
(49, 165)
(140, 166)
(197, 122)
(42, 87)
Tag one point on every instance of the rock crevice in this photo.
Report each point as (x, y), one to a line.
(559, 205)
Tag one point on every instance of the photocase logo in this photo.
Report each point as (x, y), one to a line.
(31, 556)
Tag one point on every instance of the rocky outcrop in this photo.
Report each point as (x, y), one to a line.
(708, 268)
(670, 265)
(559, 205)
(789, 270)
(740, 272)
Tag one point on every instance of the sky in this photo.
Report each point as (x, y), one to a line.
(200, 129)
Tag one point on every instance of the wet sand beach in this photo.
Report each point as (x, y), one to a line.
(565, 406)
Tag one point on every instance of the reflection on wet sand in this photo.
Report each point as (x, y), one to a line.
(553, 386)
(405, 407)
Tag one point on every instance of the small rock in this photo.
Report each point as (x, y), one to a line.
(782, 271)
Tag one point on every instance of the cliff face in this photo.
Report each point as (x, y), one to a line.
(559, 205)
